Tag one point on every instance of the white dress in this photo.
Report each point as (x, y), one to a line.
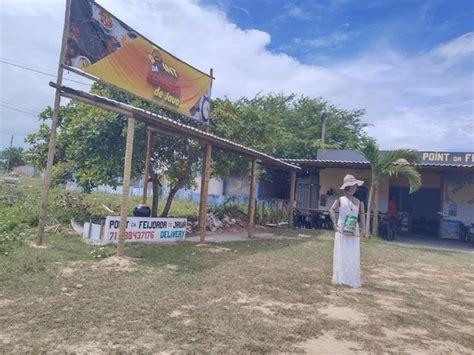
(346, 267)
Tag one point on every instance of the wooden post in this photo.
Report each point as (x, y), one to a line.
(309, 189)
(292, 198)
(149, 143)
(251, 206)
(441, 204)
(127, 170)
(206, 168)
(53, 133)
(309, 197)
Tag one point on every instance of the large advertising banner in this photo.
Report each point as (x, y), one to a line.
(145, 229)
(101, 45)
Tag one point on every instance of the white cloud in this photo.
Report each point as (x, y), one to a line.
(458, 47)
(334, 39)
(417, 101)
(298, 13)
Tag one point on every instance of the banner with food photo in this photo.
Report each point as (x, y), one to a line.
(103, 46)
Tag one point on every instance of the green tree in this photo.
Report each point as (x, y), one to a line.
(91, 141)
(91, 146)
(284, 126)
(385, 165)
(11, 157)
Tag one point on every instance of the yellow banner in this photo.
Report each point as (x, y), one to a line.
(100, 44)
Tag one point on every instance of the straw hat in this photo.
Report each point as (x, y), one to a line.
(350, 180)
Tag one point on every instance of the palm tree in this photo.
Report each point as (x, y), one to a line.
(387, 164)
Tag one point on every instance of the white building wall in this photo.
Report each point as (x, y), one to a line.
(215, 186)
(459, 198)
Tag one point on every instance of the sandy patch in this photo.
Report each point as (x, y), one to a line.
(416, 274)
(116, 263)
(266, 306)
(404, 332)
(172, 267)
(391, 304)
(434, 347)
(36, 246)
(5, 302)
(344, 313)
(67, 271)
(218, 250)
(328, 344)
(176, 313)
(391, 283)
(263, 309)
(85, 348)
(187, 322)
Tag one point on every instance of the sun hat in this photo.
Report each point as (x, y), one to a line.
(350, 180)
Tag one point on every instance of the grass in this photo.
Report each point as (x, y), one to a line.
(257, 296)
(252, 296)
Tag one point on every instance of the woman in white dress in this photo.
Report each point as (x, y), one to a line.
(346, 267)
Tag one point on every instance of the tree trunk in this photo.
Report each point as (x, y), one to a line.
(369, 207)
(375, 229)
(181, 182)
(156, 195)
(169, 200)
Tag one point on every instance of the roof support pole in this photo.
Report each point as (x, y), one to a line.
(127, 170)
(291, 203)
(206, 168)
(147, 172)
(251, 206)
(53, 133)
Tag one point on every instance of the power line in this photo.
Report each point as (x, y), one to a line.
(39, 71)
(18, 106)
(15, 133)
(19, 110)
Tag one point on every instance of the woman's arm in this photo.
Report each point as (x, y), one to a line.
(332, 213)
(362, 218)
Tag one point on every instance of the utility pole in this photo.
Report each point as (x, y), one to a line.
(10, 155)
(323, 126)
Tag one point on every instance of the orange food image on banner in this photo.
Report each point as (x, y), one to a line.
(129, 68)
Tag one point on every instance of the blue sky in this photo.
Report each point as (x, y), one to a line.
(316, 32)
(408, 63)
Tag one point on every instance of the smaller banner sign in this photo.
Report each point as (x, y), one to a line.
(447, 158)
(145, 229)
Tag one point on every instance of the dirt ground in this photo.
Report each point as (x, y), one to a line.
(243, 296)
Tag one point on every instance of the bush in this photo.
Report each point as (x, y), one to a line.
(70, 205)
(229, 208)
(99, 253)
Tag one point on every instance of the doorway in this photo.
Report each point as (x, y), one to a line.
(422, 207)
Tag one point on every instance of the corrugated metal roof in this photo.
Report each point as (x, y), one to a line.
(366, 163)
(341, 157)
(172, 126)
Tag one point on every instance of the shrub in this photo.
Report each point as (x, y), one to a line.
(99, 253)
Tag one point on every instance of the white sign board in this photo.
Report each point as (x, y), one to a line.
(145, 229)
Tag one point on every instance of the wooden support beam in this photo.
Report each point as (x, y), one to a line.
(251, 207)
(53, 132)
(291, 204)
(127, 171)
(146, 174)
(310, 189)
(206, 168)
(441, 203)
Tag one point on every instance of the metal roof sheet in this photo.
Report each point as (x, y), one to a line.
(171, 126)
